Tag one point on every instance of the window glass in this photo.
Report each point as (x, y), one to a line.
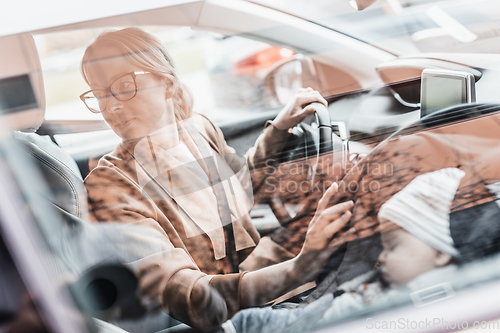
(224, 73)
(36, 279)
(230, 78)
(409, 26)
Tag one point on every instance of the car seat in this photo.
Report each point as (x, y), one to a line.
(22, 109)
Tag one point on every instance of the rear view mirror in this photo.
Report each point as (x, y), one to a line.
(283, 81)
(287, 80)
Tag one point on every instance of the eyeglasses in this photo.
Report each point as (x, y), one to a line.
(124, 88)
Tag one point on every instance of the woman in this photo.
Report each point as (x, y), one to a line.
(149, 180)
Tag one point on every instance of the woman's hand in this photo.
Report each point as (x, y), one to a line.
(293, 113)
(263, 285)
(322, 230)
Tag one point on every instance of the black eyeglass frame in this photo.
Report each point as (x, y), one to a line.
(108, 91)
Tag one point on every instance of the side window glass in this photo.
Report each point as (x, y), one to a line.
(224, 73)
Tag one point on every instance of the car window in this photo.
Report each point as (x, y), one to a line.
(373, 140)
(13, 291)
(223, 72)
(36, 284)
(407, 27)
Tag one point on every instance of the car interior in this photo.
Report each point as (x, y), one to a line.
(408, 102)
(104, 288)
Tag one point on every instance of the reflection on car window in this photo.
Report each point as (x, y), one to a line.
(224, 73)
(437, 231)
(409, 26)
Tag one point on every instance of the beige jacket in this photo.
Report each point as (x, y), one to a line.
(116, 195)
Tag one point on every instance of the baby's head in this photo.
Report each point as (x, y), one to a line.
(419, 239)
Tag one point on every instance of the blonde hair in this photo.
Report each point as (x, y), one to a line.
(147, 52)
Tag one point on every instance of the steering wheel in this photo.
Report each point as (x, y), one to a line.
(309, 141)
(310, 138)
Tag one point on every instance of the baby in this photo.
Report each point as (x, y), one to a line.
(422, 240)
(416, 239)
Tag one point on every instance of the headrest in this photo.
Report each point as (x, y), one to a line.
(22, 96)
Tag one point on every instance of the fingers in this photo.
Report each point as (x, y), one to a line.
(305, 89)
(309, 109)
(309, 95)
(338, 224)
(323, 202)
(332, 213)
(295, 111)
(325, 217)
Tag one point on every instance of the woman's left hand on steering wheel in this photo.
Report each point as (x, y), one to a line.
(294, 112)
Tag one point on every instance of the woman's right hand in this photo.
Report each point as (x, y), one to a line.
(326, 223)
(295, 111)
(263, 285)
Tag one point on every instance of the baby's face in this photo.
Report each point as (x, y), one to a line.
(405, 257)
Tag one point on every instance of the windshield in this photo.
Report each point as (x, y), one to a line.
(408, 26)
